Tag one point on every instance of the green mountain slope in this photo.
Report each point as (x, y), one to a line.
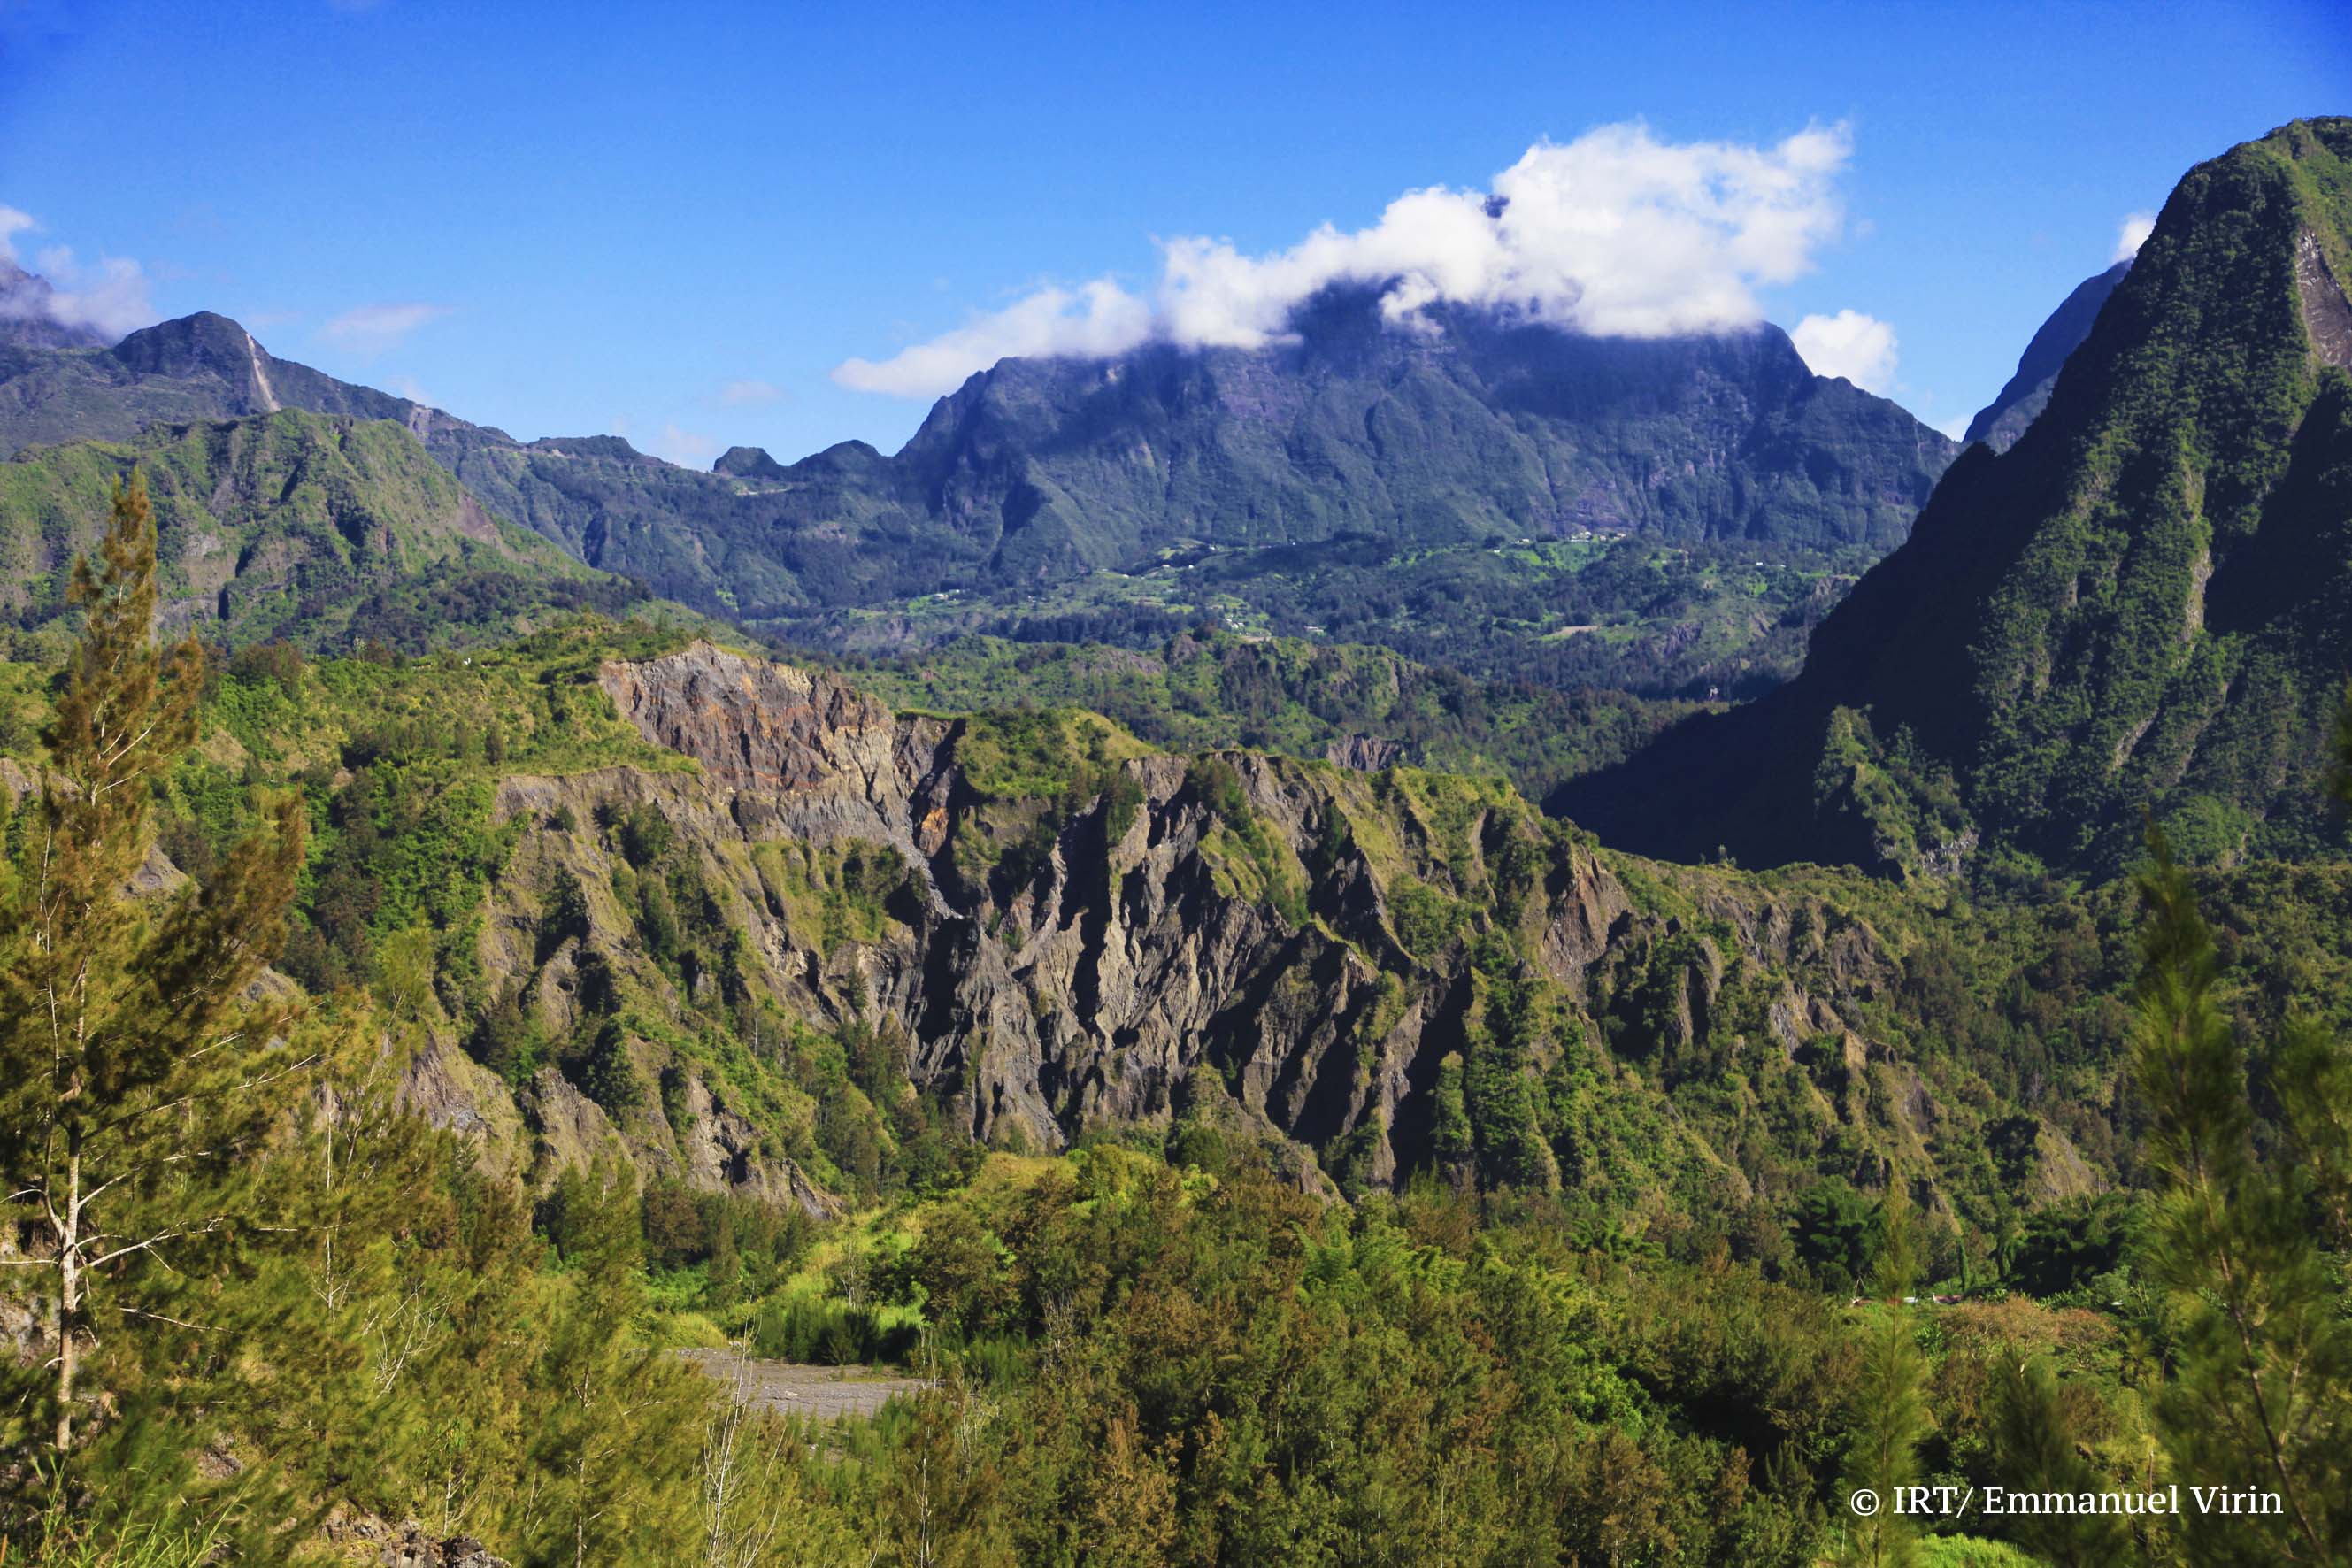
(759, 933)
(319, 530)
(2138, 609)
(1627, 613)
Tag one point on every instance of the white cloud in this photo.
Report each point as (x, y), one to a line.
(737, 394)
(372, 329)
(1100, 318)
(2132, 235)
(687, 448)
(111, 296)
(1615, 233)
(1858, 347)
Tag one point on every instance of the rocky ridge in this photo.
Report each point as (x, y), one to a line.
(1304, 954)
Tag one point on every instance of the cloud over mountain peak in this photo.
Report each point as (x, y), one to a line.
(1616, 232)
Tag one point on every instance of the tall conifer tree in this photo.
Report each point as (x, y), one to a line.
(133, 1068)
(2262, 1397)
(1890, 1407)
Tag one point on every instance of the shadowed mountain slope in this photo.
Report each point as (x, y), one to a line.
(2139, 609)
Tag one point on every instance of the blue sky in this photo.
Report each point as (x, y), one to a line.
(680, 222)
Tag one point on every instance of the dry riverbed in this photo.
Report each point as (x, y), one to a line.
(817, 1393)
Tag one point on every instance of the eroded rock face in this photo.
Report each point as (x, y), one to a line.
(753, 726)
(2325, 314)
(452, 1092)
(1365, 753)
(1133, 969)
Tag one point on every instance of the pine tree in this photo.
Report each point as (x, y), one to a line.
(2263, 1395)
(2035, 1446)
(133, 1069)
(1890, 1407)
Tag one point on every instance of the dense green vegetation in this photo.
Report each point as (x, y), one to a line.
(1218, 690)
(1611, 613)
(1240, 1158)
(1561, 1340)
(1352, 480)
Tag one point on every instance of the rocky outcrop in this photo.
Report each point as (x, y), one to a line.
(1365, 753)
(456, 1094)
(1247, 937)
(753, 726)
(415, 1549)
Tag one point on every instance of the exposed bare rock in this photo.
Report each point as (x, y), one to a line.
(1047, 966)
(413, 1548)
(454, 1093)
(571, 1128)
(2326, 315)
(2059, 1170)
(752, 725)
(1365, 753)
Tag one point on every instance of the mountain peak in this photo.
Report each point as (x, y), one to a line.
(2136, 613)
(203, 344)
(748, 463)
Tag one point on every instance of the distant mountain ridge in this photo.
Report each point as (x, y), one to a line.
(1479, 425)
(1038, 470)
(1999, 422)
(2142, 609)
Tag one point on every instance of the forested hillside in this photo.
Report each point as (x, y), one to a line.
(288, 527)
(1253, 1158)
(1484, 496)
(1360, 707)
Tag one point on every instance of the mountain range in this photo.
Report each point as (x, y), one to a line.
(2116, 606)
(1259, 1132)
(1038, 473)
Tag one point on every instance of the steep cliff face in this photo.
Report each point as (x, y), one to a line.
(1061, 933)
